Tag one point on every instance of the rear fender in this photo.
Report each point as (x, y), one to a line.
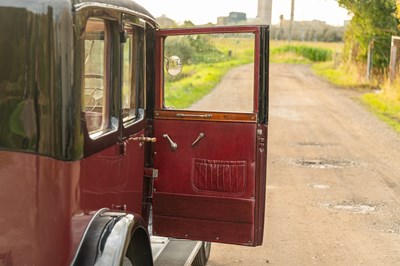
(108, 237)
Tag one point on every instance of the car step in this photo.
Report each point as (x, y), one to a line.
(170, 251)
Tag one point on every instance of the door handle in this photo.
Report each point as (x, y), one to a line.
(201, 135)
(173, 145)
(194, 115)
(144, 139)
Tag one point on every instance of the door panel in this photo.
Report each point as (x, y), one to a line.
(220, 150)
(206, 184)
(113, 167)
(211, 161)
(113, 180)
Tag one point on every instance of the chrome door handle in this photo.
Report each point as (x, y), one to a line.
(143, 139)
(201, 135)
(194, 115)
(174, 146)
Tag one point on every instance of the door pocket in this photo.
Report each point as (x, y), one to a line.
(219, 176)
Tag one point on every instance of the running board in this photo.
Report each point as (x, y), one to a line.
(170, 251)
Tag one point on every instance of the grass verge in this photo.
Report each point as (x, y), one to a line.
(387, 110)
(384, 105)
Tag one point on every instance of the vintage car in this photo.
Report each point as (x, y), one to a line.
(112, 133)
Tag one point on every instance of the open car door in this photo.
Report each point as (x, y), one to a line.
(210, 121)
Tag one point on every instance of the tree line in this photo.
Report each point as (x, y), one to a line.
(373, 24)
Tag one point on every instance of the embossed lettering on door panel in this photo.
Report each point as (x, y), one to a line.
(211, 163)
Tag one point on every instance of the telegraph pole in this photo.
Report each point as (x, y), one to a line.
(291, 21)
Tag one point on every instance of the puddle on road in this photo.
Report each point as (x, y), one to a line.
(323, 163)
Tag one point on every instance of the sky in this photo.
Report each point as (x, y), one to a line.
(204, 11)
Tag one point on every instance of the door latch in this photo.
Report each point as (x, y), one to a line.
(143, 139)
(122, 147)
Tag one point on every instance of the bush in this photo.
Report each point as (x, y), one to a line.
(312, 53)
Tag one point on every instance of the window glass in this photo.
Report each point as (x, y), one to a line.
(217, 72)
(128, 90)
(95, 92)
(133, 72)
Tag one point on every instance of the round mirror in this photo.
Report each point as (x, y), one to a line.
(174, 65)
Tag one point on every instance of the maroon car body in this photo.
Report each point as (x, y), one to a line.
(68, 190)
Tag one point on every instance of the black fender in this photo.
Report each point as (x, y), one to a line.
(113, 236)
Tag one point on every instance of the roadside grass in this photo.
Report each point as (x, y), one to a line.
(343, 76)
(199, 80)
(288, 58)
(303, 52)
(388, 110)
(385, 104)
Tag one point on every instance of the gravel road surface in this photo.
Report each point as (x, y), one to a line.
(333, 188)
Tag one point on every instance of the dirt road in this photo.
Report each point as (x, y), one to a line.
(333, 189)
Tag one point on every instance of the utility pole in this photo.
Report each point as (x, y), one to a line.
(291, 22)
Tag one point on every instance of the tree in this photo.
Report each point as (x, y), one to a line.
(373, 23)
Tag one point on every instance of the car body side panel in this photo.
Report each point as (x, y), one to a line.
(48, 205)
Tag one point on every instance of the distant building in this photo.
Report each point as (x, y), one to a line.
(263, 16)
(233, 19)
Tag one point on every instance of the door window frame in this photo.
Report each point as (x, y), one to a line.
(107, 138)
(132, 126)
(162, 112)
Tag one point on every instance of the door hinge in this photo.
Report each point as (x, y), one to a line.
(151, 172)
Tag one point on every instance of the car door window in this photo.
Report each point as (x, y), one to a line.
(217, 72)
(96, 88)
(133, 74)
(129, 91)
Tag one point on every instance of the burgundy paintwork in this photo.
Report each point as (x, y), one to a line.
(186, 203)
(43, 190)
(114, 178)
(65, 193)
(181, 209)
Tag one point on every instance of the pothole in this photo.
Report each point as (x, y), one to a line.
(355, 208)
(352, 207)
(323, 163)
(313, 144)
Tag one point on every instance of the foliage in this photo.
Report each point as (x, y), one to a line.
(192, 49)
(313, 54)
(372, 25)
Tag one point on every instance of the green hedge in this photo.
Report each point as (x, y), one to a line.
(312, 53)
